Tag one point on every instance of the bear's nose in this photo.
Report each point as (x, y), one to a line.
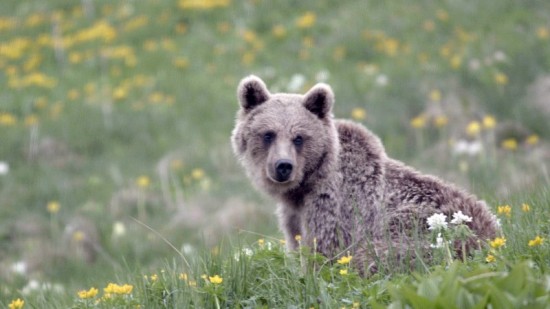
(283, 169)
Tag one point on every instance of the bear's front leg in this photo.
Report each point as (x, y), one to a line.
(290, 222)
(324, 229)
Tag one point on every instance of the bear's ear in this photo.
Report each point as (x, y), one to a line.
(252, 92)
(319, 100)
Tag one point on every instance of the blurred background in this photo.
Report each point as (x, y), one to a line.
(115, 116)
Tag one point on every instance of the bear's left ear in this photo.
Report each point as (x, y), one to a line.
(319, 100)
(252, 92)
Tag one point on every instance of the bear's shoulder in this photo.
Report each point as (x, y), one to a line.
(355, 138)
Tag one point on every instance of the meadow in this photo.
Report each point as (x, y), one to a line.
(119, 189)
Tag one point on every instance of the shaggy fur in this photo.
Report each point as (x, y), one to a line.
(333, 181)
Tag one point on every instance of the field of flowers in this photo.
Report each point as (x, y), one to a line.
(118, 187)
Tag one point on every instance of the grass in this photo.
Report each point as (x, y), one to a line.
(115, 113)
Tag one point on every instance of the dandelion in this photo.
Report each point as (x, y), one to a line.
(183, 276)
(306, 21)
(91, 293)
(261, 242)
(143, 181)
(298, 238)
(460, 218)
(473, 128)
(536, 242)
(441, 121)
(278, 31)
(490, 258)
(497, 242)
(154, 277)
(216, 279)
(437, 222)
(543, 33)
(53, 207)
(505, 210)
(489, 122)
(343, 272)
(197, 173)
(418, 122)
(525, 207)
(358, 113)
(509, 144)
(435, 95)
(532, 139)
(501, 78)
(16, 304)
(345, 260)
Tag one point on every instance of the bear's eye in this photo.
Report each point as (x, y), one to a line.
(269, 137)
(298, 140)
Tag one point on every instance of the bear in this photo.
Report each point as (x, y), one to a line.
(335, 186)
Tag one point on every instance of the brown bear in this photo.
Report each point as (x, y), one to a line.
(335, 185)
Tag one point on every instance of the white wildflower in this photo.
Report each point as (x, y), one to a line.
(437, 221)
(322, 76)
(19, 267)
(382, 80)
(297, 81)
(4, 168)
(438, 242)
(460, 218)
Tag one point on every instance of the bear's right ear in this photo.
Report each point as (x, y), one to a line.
(252, 92)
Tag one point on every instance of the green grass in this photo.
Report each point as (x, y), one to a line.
(119, 111)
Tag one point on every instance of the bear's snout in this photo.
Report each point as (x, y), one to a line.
(283, 169)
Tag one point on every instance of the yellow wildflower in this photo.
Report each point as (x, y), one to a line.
(543, 33)
(113, 288)
(120, 93)
(442, 15)
(183, 276)
(31, 120)
(456, 61)
(180, 62)
(154, 277)
(509, 144)
(202, 4)
(441, 121)
(143, 181)
(358, 113)
(536, 242)
(261, 242)
(490, 258)
(306, 21)
(501, 78)
(498, 242)
(473, 128)
(435, 95)
(489, 122)
(7, 119)
(428, 25)
(216, 279)
(16, 304)
(197, 173)
(343, 272)
(298, 237)
(53, 207)
(532, 139)
(91, 293)
(78, 236)
(418, 122)
(278, 31)
(504, 210)
(345, 260)
(525, 207)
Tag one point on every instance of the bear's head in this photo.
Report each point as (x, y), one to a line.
(283, 139)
